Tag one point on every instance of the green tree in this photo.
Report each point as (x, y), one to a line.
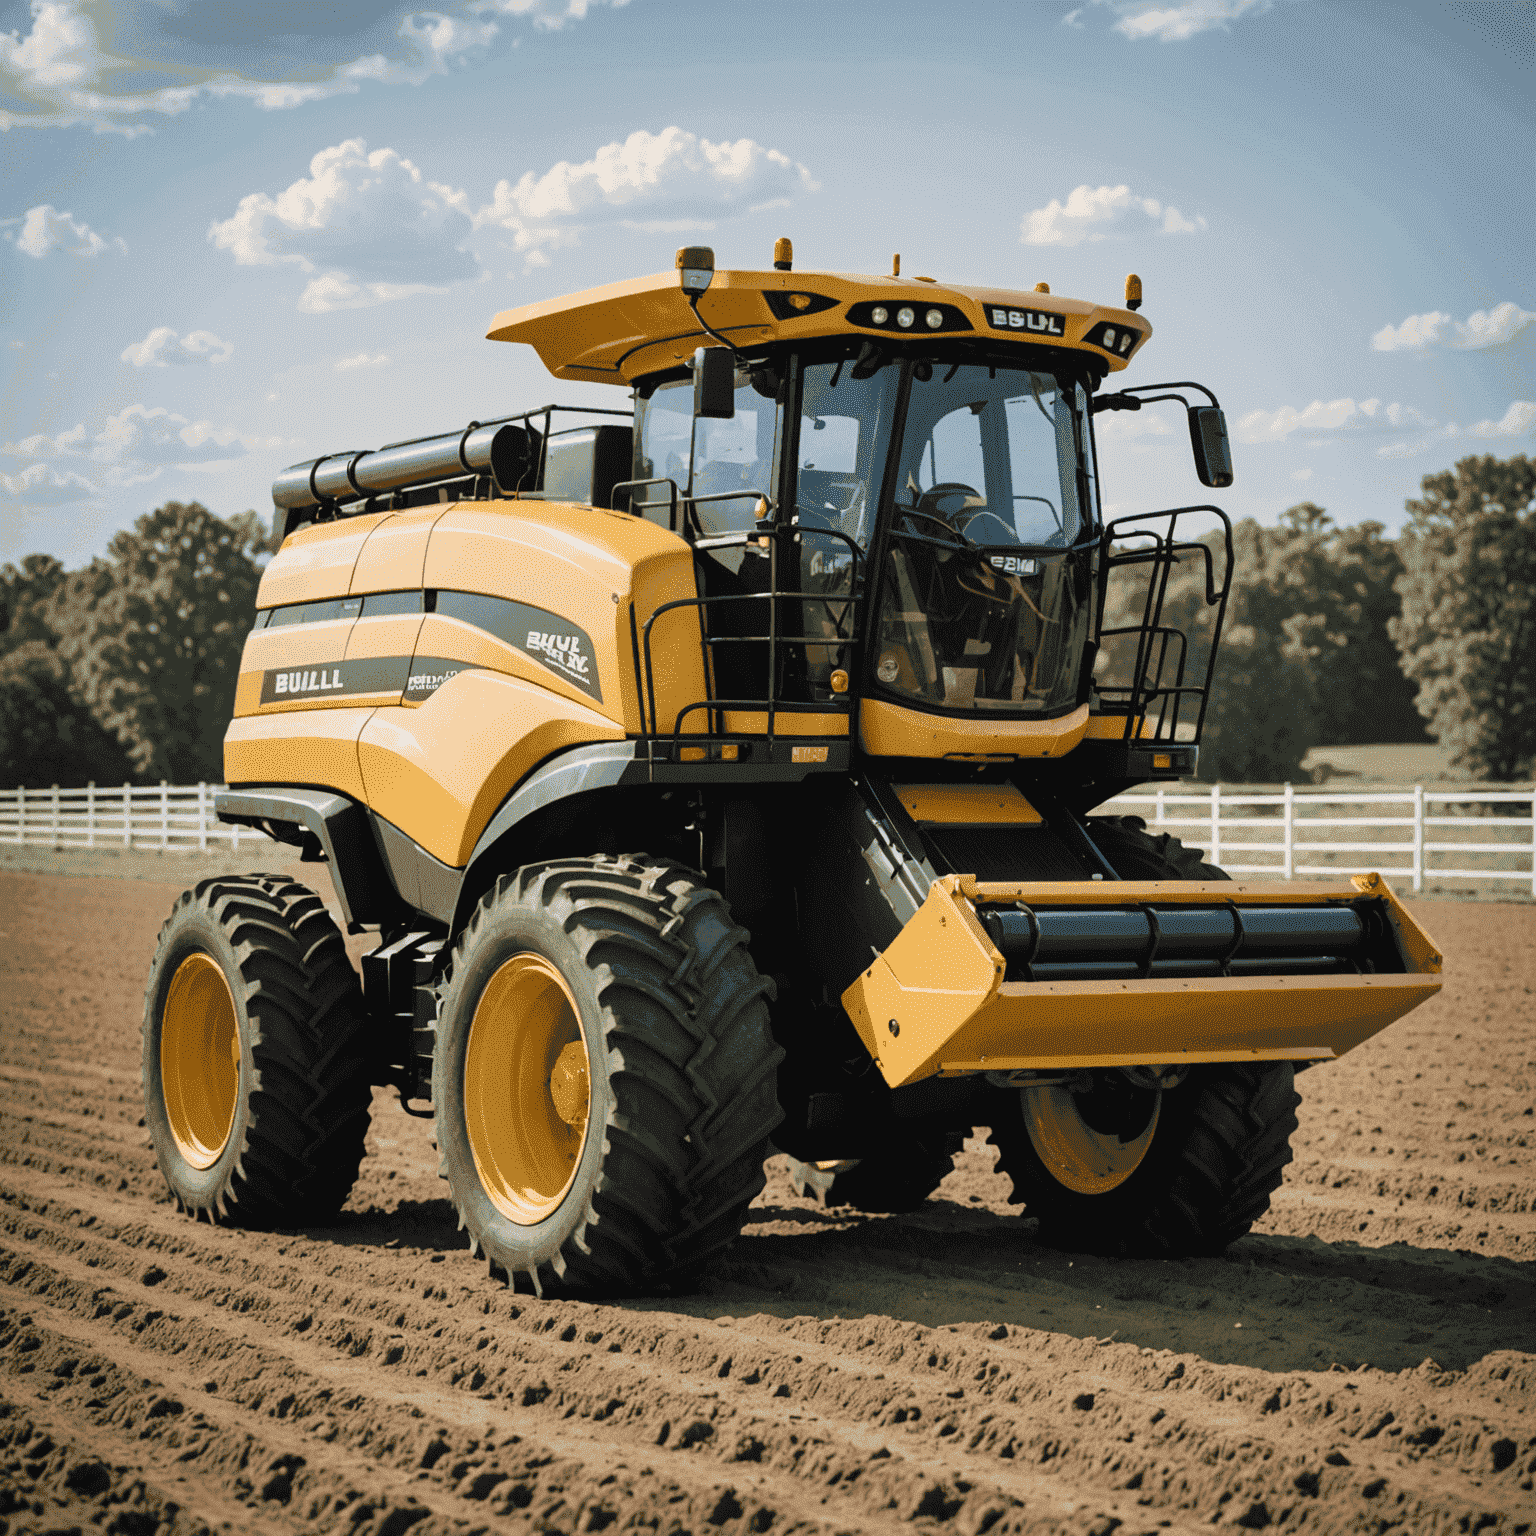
(47, 735)
(153, 635)
(25, 594)
(1467, 631)
(1335, 589)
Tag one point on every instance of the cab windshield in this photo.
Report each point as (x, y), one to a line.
(984, 605)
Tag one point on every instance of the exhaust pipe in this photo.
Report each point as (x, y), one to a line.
(510, 453)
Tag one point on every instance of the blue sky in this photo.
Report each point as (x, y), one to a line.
(235, 237)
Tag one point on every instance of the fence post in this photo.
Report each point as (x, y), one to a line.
(165, 815)
(202, 817)
(1418, 837)
(21, 814)
(1288, 857)
(1533, 840)
(127, 815)
(53, 818)
(90, 814)
(1160, 794)
(1215, 854)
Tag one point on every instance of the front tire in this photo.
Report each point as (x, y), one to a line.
(604, 1075)
(255, 1062)
(1134, 1172)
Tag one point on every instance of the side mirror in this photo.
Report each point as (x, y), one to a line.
(1208, 438)
(714, 383)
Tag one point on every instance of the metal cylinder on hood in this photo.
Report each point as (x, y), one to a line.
(506, 451)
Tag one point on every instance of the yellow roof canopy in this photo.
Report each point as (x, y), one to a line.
(622, 331)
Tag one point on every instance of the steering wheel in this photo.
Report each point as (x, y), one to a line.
(931, 502)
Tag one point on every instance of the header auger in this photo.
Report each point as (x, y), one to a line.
(717, 777)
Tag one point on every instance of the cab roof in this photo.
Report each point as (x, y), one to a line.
(623, 331)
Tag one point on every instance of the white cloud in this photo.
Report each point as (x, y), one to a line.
(1301, 474)
(368, 223)
(1322, 419)
(672, 180)
(1177, 23)
(1122, 426)
(163, 348)
(1482, 328)
(62, 72)
(45, 229)
(1517, 421)
(362, 360)
(1090, 211)
(40, 485)
(138, 438)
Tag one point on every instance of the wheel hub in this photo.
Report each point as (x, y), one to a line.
(527, 1089)
(200, 1059)
(1087, 1158)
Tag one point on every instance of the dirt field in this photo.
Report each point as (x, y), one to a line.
(1366, 1361)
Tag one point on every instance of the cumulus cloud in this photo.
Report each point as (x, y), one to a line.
(1090, 212)
(163, 348)
(40, 485)
(1125, 426)
(367, 223)
(66, 69)
(1337, 420)
(140, 438)
(45, 229)
(362, 360)
(672, 180)
(1324, 418)
(1177, 23)
(1482, 328)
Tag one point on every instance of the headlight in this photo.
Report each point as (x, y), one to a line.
(934, 319)
(879, 315)
(905, 317)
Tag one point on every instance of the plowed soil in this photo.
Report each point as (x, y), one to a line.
(1365, 1361)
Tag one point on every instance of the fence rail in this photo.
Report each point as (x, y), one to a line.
(166, 818)
(1418, 835)
(1423, 836)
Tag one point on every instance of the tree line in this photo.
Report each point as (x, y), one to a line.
(1334, 636)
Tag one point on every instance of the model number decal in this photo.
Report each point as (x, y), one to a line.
(1038, 322)
(1014, 565)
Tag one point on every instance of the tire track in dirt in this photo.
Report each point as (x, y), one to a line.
(836, 1372)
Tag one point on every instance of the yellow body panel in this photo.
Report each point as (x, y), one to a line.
(395, 554)
(892, 730)
(316, 561)
(439, 771)
(290, 645)
(297, 746)
(617, 333)
(451, 640)
(943, 805)
(941, 983)
(390, 636)
(754, 722)
(588, 565)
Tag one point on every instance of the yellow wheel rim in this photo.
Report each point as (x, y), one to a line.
(1083, 1159)
(527, 1089)
(200, 1059)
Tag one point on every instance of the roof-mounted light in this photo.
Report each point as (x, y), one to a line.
(696, 268)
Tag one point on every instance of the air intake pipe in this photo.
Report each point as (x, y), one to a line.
(508, 452)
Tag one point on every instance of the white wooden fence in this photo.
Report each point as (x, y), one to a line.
(167, 818)
(1415, 836)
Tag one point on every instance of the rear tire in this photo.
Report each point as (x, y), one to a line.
(613, 1002)
(1137, 854)
(1216, 1153)
(255, 1060)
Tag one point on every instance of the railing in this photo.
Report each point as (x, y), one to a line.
(166, 818)
(1423, 836)
(1416, 835)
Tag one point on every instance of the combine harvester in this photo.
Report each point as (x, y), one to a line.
(717, 778)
